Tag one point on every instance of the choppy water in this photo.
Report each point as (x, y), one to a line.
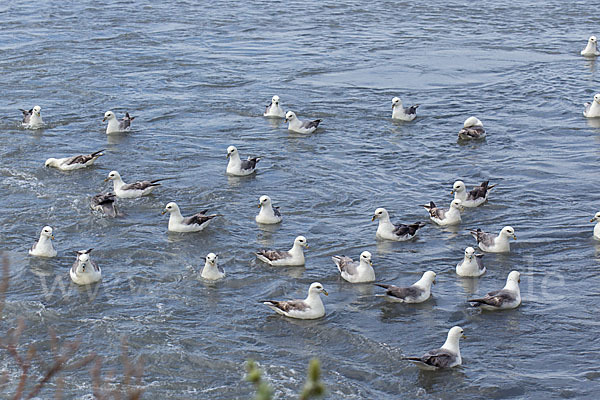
(197, 76)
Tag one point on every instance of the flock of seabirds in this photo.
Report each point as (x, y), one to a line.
(85, 271)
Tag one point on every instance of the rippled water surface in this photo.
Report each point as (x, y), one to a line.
(197, 77)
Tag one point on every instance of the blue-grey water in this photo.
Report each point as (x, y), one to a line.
(197, 76)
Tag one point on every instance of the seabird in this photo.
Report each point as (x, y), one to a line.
(274, 110)
(296, 125)
(211, 270)
(131, 190)
(443, 216)
(472, 129)
(32, 118)
(597, 226)
(43, 247)
(114, 125)
(236, 166)
(268, 214)
(475, 197)
(194, 223)
(401, 113)
(492, 243)
(419, 292)
(74, 162)
(277, 258)
(591, 50)
(388, 230)
(353, 271)
(471, 265)
(85, 271)
(310, 308)
(447, 356)
(507, 298)
(592, 110)
(106, 203)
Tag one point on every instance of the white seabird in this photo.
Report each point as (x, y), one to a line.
(268, 214)
(387, 230)
(295, 125)
(32, 119)
(597, 226)
(492, 243)
(472, 129)
(131, 190)
(293, 257)
(74, 162)
(43, 247)
(401, 113)
(418, 292)
(85, 271)
(355, 272)
(443, 216)
(310, 308)
(274, 110)
(504, 299)
(194, 223)
(592, 110)
(591, 49)
(211, 270)
(447, 356)
(471, 265)
(475, 197)
(116, 126)
(236, 166)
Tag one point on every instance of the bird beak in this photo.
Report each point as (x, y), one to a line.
(105, 179)
(325, 292)
(227, 155)
(259, 205)
(515, 237)
(52, 237)
(103, 119)
(163, 212)
(463, 336)
(434, 282)
(370, 263)
(452, 191)
(373, 219)
(519, 280)
(592, 220)
(285, 121)
(462, 209)
(306, 246)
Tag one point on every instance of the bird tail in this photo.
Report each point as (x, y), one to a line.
(337, 261)
(128, 117)
(429, 206)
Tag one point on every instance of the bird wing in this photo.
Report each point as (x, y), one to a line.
(250, 163)
(402, 229)
(311, 124)
(439, 358)
(199, 218)
(289, 305)
(273, 255)
(483, 237)
(472, 132)
(345, 264)
(400, 292)
(142, 185)
(495, 298)
(411, 109)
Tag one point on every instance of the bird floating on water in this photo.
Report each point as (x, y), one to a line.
(310, 308)
(85, 271)
(591, 49)
(293, 257)
(475, 197)
(32, 119)
(116, 126)
(211, 270)
(504, 299)
(267, 214)
(472, 129)
(131, 190)
(355, 271)
(596, 219)
(105, 203)
(295, 125)
(592, 110)
(74, 162)
(398, 232)
(401, 113)
(447, 356)
(238, 167)
(445, 216)
(495, 244)
(471, 265)
(274, 110)
(418, 292)
(43, 247)
(194, 223)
